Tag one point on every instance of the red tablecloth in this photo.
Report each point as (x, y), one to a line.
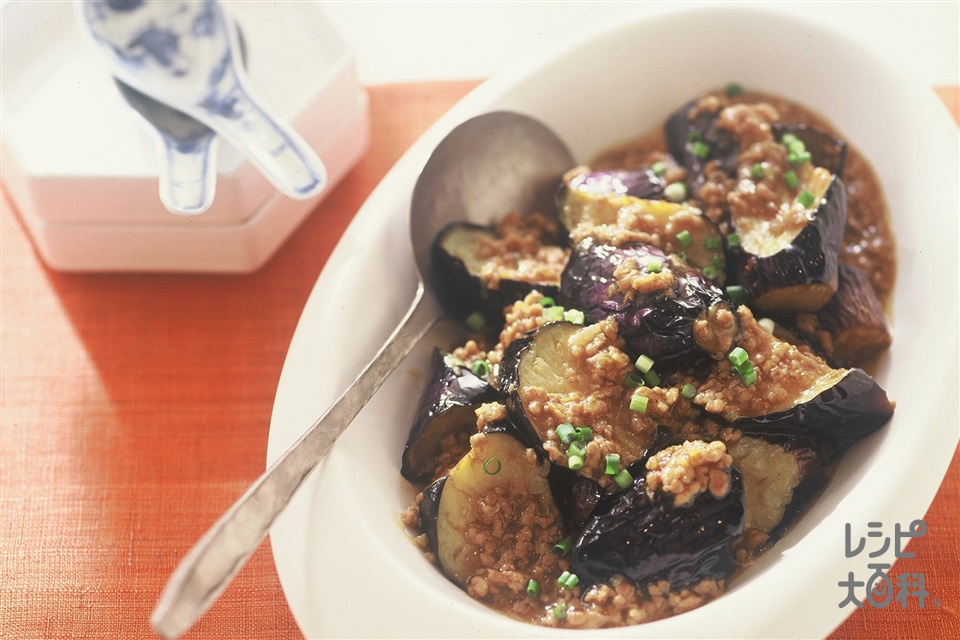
(135, 409)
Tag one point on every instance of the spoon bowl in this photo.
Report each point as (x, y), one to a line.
(487, 166)
(187, 55)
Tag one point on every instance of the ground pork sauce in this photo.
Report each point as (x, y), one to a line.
(512, 549)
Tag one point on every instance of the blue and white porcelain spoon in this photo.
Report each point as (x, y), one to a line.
(187, 149)
(187, 55)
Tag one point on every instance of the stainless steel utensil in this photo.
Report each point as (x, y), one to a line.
(187, 55)
(484, 168)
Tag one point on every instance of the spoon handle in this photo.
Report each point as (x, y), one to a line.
(210, 565)
(278, 151)
(188, 178)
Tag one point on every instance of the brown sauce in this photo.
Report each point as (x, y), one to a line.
(868, 241)
(789, 373)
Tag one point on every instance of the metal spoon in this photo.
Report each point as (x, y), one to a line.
(187, 55)
(187, 149)
(484, 168)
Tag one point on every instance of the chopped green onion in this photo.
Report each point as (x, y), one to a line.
(565, 432)
(560, 611)
(481, 368)
(568, 580)
(623, 479)
(574, 463)
(733, 240)
(788, 138)
(710, 272)
(659, 168)
(633, 380)
(476, 321)
(791, 179)
(553, 313)
(611, 463)
(737, 293)
(688, 391)
(573, 315)
(797, 158)
(685, 238)
(700, 149)
(651, 378)
(563, 547)
(547, 301)
(584, 434)
(683, 256)
(744, 368)
(712, 242)
(644, 363)
(576, 448)
(694, 136)
(675, 192)
(806, 198)
(716, 261)
(733, 89)
(737, 356)
(638, 404)
(533, 588)
(748, 378)
(756, 171)
(654, 266)
(492, 466)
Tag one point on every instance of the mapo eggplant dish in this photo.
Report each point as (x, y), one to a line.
(661, 374)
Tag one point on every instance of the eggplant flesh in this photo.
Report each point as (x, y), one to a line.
(469, 279)
(780, 478)
(477, 520)
(657, 320)
(648, 538)
(794, 392)
(547, 382)
(799, 273)
(849, 409)
(445, 411)
(638, 183)
(616, 216)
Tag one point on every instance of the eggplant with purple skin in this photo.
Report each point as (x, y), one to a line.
(851, 327)
(825, 150)
(644, 184)
(543, 375)
(470, 282)
(795, 269)
(648, 538)
(656, 315)
(775, 389)
(472, 515)
(694, 139)
(575, 495)
(842, 408)
(781, 476)
(445, 410)
(604, 205)
(787, 262)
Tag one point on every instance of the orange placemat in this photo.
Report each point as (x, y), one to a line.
(135, 409)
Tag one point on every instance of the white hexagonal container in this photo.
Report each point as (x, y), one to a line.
(81, 167)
